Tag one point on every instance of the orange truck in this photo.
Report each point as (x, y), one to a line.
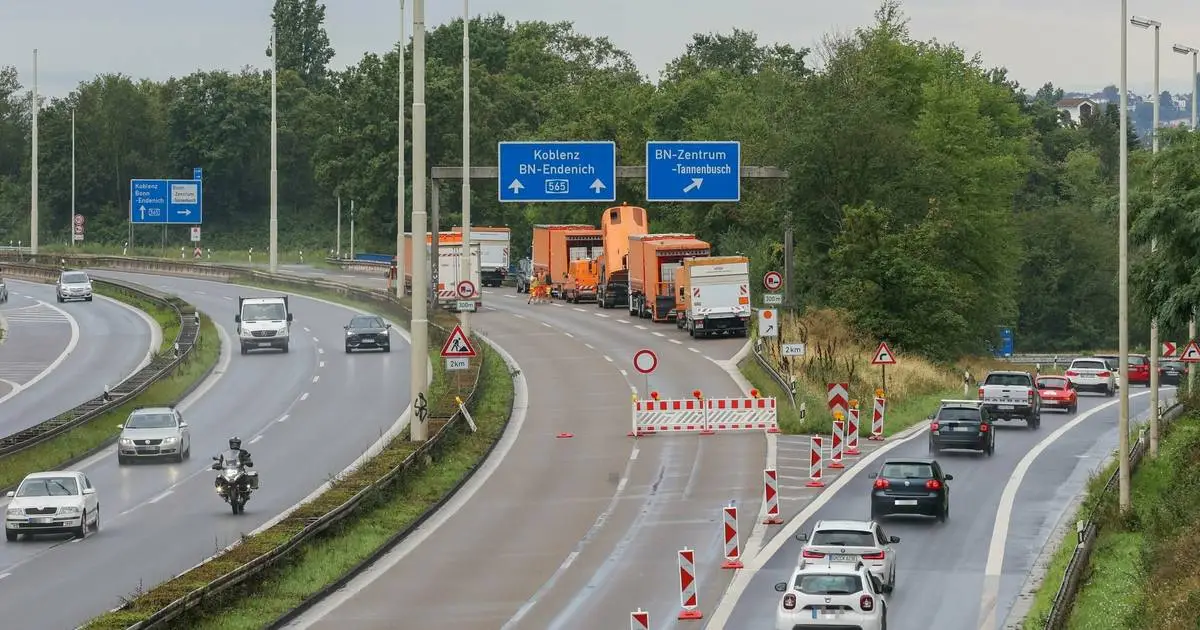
(555, 246)
(713, 296)
(653, 259)
(617, 224)
(582, 277)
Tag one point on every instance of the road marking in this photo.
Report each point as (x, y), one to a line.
(518, 315)
(71, 344)
(304, 396)
(164, 495)
(677, 341)
(315, 340)
(307, 329)
(510, 296)
(601, 315)
(227, 297)
(580, 309)
(321, 364)
(320, 350)
(995, 561)
(256, 438)
(590, 346)
(608, 358)
(547, 325)
(488, 292)
(316, 378)
(283, 418)
(624, 373)
(199, 293)
(569, 335)
(696, 350)
(658, 334)
(556, 304)
(639, 327)
(4, 575)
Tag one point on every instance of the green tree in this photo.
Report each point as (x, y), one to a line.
(302, 41)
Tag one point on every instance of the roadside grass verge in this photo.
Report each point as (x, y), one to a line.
(1142, 571)
(166, 318)
(87, 438)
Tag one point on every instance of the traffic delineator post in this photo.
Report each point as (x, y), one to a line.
(639, 620)
(733, 543)
(699, 396)
(852, 430)
(689, 599)
(836, 444)
(877, 415)
(771, 496)
(633, 432)
(815, 463)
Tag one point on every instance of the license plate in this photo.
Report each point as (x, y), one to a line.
(906, 501)
(1005, 407)
(43, 520)
(843, 558)
(264, 344)
(825, 614)
(964, 429)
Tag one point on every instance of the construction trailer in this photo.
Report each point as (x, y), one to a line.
(555, 246)
(653, 259)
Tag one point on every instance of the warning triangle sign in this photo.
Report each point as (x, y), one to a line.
(884, 356)
(1191, 354)
(457, 345)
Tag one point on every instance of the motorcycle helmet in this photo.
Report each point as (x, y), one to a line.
(235, 444)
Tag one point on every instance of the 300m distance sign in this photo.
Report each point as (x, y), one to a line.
(772, 280)
(645, 361)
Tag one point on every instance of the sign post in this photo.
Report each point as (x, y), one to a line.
(550, 171)
(883, 358)
(709, 171)
(645, 362)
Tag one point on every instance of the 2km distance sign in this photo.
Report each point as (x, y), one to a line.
(645, 361)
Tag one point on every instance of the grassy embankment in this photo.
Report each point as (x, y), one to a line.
(336, 551)
(86, 438)
(835, 354)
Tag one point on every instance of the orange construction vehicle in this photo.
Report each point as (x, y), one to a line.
(617, 225)
(653, 259)
(555, 246)
(713, 296)
(582, 277)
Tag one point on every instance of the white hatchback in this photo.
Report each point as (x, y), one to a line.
(1092, 374)
(835, 595)
(56, 502)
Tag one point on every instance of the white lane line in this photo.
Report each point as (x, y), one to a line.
(488, 292)
(580, 309)
(658, 334)
(569, 335)
(4, 575)
(71, 344)
(199, 293)
(304, 396)
(601, 315)
(320, 350)
(677, 341)
(696, 350)
(164, 495)
(634, 455)
(510, 296)
(608, 358)
(624, 373)
(556, 304)
(307, 329)
(518, 315)
(283, 418)
(256, 438)
(322, 364)
(995, 561)
(316, 378)
(622, 321)
(639, 327)
(315, 340)
(590, 346)
(547, 325)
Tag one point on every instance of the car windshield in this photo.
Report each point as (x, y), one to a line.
(366, 322)
(828, 584)
(48, 487)
(74, 278)
(1089, 365)
(907, 470)
(1009, 380)
(843, 538)
(1052, 383)
(263, 312)
(151, 421)
(958, 415)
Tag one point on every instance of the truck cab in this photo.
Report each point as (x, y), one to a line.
(263, 322)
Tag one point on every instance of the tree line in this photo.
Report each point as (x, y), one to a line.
(932, 197)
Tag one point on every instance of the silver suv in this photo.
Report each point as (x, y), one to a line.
(74, 285)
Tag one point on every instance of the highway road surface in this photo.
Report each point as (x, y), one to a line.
(959, 574)
(57, 356)
(305, 416)
(569, 532)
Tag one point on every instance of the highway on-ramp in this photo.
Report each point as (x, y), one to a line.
(943, 572)
(305, 416)
(574, 532)
(57, 356)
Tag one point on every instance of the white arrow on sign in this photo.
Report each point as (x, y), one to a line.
(186, 213)
(597, 185)
(696, 181)
(142, 210)
(516, 186)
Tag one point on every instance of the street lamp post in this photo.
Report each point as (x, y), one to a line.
(466, 161)
(71, 226)
(33, 181)
(1123, 273)
(1188, 50)
(400, 165)
(419, 368)
(273, 254)
(1141, 22)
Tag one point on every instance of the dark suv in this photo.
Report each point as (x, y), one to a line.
(911, 486)
(961, 424)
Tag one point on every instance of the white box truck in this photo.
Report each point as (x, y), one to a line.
(494, 247)
(450, 273)
(713, 296)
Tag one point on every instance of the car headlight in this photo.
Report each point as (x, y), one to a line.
(14, 512)
(170, 440)
(69, 509)
(126, 442)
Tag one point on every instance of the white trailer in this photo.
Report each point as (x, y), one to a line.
(713, 296)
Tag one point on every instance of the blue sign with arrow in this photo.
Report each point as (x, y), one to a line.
(543, 172)
(170, 201)
(694, 171)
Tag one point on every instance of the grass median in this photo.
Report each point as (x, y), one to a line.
(87, 438)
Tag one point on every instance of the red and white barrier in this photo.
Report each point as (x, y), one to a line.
(877, 418)
(639, 620)
(835, 458)
(704, 416)
(837, 397)
(815, 463)
(689, 600)
(852, 433)
(733, 542)
(771, 497)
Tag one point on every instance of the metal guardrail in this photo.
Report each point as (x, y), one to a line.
(788, 385)
(160, 366)
(1060, 608)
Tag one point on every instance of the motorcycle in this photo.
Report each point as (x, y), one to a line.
(235, 483)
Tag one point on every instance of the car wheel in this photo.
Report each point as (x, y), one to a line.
(285, 348)
(1073, 408)
(387, 348)
(121, 461)
(10, 535)
(945, 514)
(89, 299)
(96, 524)
(243, 349)
(991, 447)
(179, 458)
(347, 349)
(81, 531)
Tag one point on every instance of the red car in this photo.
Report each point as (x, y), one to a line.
(1139, 367)
(1056, 393)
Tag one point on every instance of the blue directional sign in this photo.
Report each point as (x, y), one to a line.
(197, 173)
(172, 201)
(693, 171)
(541, 172)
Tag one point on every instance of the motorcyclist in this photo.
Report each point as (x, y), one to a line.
(235, 453)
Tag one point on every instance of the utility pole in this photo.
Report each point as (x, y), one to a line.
(338, 248)
(274, 239)
(1188, 50)
(418, 430)
(1123, 274)
(466, 248)
(33, 183)
(400, 165)
(352, 256)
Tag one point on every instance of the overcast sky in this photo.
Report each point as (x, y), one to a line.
(1074, 43)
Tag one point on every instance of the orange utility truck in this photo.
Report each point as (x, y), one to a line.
(617, 224)
(582, 276)
(713, 296)
(494, 243)
(555, 246)
(653, 259)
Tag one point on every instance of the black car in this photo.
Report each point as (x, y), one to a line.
(961, 424)
(911, 486)
(1172, 372)
(365, 332)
